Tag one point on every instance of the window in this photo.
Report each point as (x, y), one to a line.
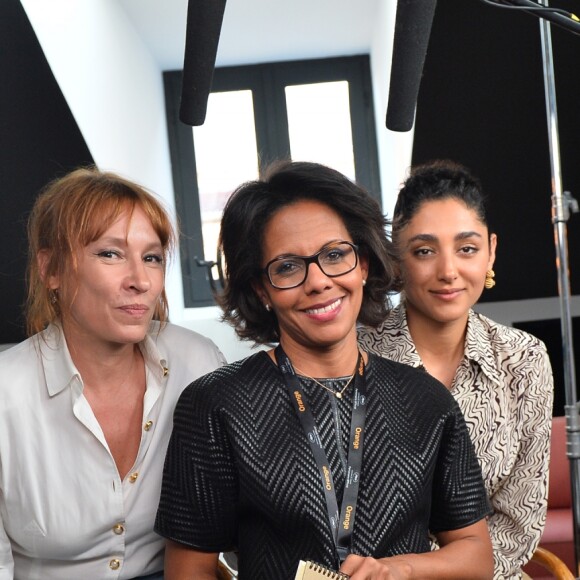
(315, 110)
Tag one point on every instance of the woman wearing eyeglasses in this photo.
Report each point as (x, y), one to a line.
(316, 450)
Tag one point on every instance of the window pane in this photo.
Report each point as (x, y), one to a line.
(319, 125)
(225, 156)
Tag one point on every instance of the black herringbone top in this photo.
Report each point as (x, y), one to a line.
(240, 474)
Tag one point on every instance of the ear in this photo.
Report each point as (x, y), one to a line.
(42, 260)
(397, 270)
(492, 247)
(364, 266)
(260, 291)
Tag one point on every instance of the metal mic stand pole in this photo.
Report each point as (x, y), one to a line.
(562, 203)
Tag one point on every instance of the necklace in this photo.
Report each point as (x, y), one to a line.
(337, 394)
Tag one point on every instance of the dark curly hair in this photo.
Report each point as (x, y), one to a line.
(434, 181)
(252, 206)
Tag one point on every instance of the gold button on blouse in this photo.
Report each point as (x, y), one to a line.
(133, 477)
(148, 425)
(118, 529)
(114, 564)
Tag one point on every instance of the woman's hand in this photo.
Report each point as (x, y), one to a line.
(361, 568)
(464, 553)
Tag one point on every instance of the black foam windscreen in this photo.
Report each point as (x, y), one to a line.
(412, 29)
(204, 22)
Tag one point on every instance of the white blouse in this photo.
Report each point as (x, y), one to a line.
(64, 511)
(504, 386)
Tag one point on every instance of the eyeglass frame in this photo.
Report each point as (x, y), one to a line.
(312, 259)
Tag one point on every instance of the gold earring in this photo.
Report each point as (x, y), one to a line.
(489, 279)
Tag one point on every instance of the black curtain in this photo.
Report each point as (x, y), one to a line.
(482, 103)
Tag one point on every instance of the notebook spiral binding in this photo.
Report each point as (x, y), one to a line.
(312, 571)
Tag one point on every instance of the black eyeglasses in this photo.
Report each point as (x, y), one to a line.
(334, 260)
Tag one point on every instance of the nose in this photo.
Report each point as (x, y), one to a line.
(316, 279)
(138, 278)
(447, 268)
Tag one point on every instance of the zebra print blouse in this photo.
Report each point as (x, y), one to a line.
(504, 386)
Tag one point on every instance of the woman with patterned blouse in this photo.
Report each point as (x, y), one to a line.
(500, 376)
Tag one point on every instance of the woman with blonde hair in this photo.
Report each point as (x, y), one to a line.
(86, 401)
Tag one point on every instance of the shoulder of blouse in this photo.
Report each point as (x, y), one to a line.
(44, 353)
(380, 339)
(172, 341)
(502, 338)
(505, 351)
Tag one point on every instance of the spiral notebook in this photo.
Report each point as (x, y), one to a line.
(312, 571)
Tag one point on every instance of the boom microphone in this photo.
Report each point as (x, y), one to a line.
(204, 22)
(412, 29)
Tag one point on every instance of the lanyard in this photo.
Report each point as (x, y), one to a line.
(341, 528)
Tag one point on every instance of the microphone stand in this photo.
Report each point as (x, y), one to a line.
(562, 204)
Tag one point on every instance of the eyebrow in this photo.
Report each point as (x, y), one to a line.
(123, 242)
(321, 249)
(110, 240)
(432, 238)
